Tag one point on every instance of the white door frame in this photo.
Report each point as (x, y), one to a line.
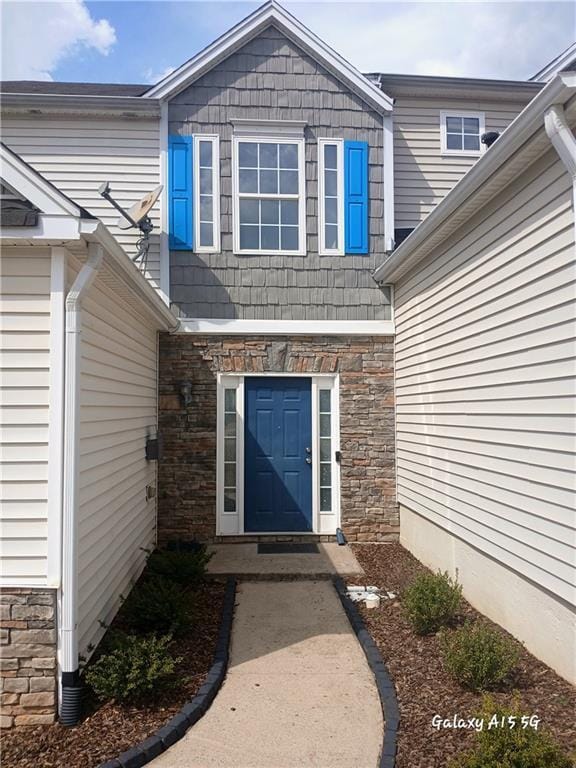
(231, 523)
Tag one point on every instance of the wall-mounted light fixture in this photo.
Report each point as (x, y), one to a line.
(186, 393)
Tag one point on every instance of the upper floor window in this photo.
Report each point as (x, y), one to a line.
(206, 193)
(269, 199)
(460, 132)
(331, 196)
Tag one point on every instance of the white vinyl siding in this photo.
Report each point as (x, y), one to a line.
(485, 361)
(423, 176)
(78, 154)
(24, 411)
(118, 410)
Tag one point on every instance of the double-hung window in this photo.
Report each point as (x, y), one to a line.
(331, 196)
(269, 204)
(460, 132)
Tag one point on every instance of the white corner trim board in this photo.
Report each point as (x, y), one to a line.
(388, 160)
(288, 327)
(164, 218)
(56, 410)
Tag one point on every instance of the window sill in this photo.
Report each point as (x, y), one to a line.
(460, 153)
(268, 253)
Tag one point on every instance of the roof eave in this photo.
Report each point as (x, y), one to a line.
(134, 106)
(528, 122)
(96, 231)
(248, 28)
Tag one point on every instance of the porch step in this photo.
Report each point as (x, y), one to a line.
(244, 562)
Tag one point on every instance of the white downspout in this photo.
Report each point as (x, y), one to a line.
(564, 143)
(70, 699)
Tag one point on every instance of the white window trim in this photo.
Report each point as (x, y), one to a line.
(215, 141)
(480, 116)
(322, 249)
(232, 523)
(301, 196)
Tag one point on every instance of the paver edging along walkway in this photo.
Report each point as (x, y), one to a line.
(145, 751)
(384, 683)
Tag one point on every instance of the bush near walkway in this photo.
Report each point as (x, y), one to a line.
(113, 727)
(479, 657)
(511, 745)
(432, 601)
(425, 688)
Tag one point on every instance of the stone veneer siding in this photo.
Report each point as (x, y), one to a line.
(187, 469)
(28, 656)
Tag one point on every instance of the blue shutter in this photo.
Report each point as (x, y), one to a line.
(180, 192)
(356, 196)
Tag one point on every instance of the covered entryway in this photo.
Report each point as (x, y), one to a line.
(278, 455)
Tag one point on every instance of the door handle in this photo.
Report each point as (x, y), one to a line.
(308, 450)
(308, 460)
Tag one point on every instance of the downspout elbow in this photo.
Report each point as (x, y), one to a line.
(562, 138)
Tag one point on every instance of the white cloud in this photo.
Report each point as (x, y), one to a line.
(153, 77)
(36, 36)
(478, 39)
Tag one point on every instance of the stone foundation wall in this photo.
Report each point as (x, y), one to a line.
(187, 469)
(28, 656)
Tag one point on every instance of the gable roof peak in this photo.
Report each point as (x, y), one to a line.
(271, 12)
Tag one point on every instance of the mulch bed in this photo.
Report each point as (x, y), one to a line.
(109, 729)
(424, 689)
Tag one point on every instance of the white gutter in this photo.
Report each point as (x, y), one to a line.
(70, 699)
(528, 122)
(564, 143)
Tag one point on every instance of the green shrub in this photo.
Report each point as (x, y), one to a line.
(506, 747)
(133, 670)
(186, 568)
(479, 657)
(158, 605)
(431, 601)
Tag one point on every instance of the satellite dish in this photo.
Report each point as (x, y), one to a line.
(139, 210)
(137, 217)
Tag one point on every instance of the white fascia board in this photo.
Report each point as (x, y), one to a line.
(287, 327)
(21, 177)
(248, 28)
(128, 272)
(554, 66)
(53, 230)
(525, 125)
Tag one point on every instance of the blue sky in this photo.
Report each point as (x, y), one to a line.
(133, 41)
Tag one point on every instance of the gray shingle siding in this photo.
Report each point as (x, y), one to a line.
(270, 78)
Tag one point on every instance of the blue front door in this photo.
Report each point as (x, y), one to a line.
(278, 455)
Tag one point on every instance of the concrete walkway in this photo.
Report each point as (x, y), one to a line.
(299, 693)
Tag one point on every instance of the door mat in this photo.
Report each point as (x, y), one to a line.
(287, 548)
